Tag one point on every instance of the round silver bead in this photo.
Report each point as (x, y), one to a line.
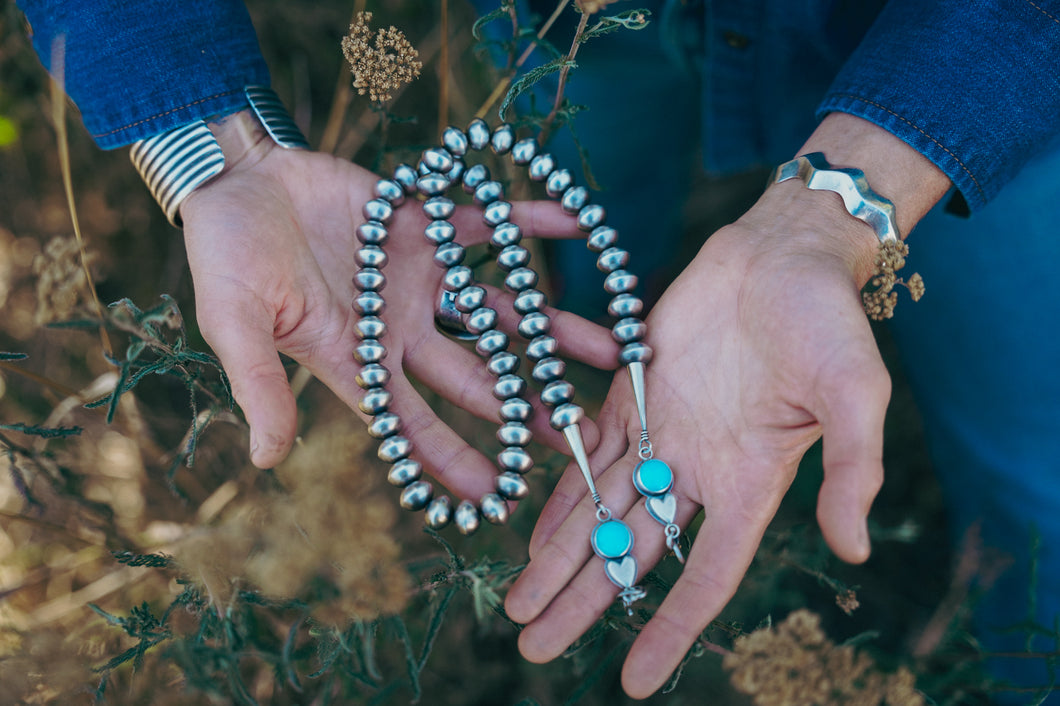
(496, 213)
(449, 254)
(620, 282)
(541, 166)
(513, 256)
(515, 459)
(466, 517)
(432, 184)
(370, 327)
(565, 415)
(548, 369)
(437, 160)
(635, 353)
(371, 256)
(454, 140)
(629, 330)
(481, 320)
(369, 303)
(625, 305)
(509, 386)
(470, 298)
(558, 182)
(534, 324)
(406, 176)
(394, 448)
(378, 210)
(456, 171)
(384, 425)
(390, 190)
(541, 347)
(506, 234)
(373, 375)
(520, 278)
(438, 207)
(369, 279)
(494, 508)
(516, 409)
(514, 434)
(478, 134)
(529, 301)
(512, 486)
(404, 472)
(456, 278)
(375, 401)
(524, 150)
(503, 138)
(416, 495)
(439, 512)
(612, 259)
(372, 233)
(422, 169)
(439, 232)
(369, 351)
(591, 216)
(574, 199)
(487, 192)
(503, 363)
(557, 392)
(602, 238)
(492, 341)
(475, 176)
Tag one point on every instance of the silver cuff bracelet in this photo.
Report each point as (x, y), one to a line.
(178, 161)
(859, 199)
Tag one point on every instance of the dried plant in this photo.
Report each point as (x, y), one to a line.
(795, 663)
(381, 63)
(879, 302)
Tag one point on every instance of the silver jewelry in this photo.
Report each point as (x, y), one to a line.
(463, 309)
(859, 199)
(176, 162)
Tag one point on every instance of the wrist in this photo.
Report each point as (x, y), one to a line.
(175, 163)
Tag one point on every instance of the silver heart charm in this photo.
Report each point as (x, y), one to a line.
(662, 507)
(622, 572)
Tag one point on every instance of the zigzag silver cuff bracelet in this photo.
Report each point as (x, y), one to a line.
(860, 201)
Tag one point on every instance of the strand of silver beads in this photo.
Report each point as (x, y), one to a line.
(438, 170)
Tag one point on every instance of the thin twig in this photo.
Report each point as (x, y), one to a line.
(58, 96)
(546, 127)
(500, 89)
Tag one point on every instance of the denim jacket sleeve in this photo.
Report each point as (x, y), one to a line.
(136, 68)
(973, 86)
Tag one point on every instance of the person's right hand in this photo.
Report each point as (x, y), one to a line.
(271, 244)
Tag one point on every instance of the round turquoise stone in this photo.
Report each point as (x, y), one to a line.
(653, 477)
(612, 539)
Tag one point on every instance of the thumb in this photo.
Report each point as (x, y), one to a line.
(259, 384)
(852, 420)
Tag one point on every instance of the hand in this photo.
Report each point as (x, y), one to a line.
(760, 346)
(271, 245)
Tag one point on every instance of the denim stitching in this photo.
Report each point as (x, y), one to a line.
(922, 132)
(1043, 12)
(162, 115)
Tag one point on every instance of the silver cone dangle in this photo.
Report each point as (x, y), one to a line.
(463, 311)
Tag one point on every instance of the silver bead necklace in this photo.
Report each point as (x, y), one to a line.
(463, 310)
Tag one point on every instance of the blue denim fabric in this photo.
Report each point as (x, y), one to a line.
(136, 68)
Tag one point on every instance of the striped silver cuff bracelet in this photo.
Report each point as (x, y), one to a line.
(176, 162)
(860, 201)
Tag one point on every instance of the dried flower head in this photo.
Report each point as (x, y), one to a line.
(60, 279)
(795, 663)
(880, 301)
(383, 66)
